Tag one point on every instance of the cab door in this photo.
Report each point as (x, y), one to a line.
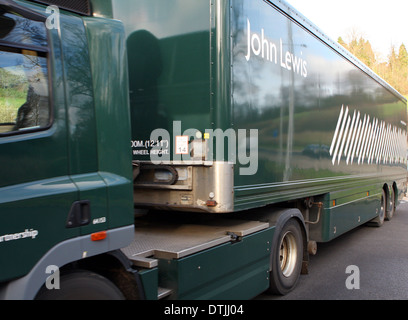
(36, 190)
(91, 210)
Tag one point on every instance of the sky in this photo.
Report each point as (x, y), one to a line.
(383, 23)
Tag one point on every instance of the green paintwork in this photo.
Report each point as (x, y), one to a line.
(80, 157)
(231, 271)
(297, 115)
(83, 151)
(352, 209)
(150, 280)
(51, 200)
(169, 64)
(110, 85)
(191, 67)
(33, 189)
(102, 8)
(346, 217)
(115, 81)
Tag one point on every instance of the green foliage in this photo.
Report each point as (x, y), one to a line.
(13, 93)
(9, 108)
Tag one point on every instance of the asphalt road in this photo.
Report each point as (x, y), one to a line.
(381, 258)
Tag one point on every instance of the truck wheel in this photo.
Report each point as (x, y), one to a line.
(379, 220)
(287, 259)
(392, 206)
(82, 285)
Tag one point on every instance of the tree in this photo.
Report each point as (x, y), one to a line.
(402, 69)
(366, 53)
(359, 47)
(341, 41)
(394, 70)
(403, 57)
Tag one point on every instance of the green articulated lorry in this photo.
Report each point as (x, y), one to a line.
(183, 149)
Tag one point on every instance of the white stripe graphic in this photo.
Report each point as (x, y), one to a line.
(357, 141)
(354, 135)
(337, 130)
(340, 135)
(365, 138)
(350, 133)
(381, 147)
(375, 142)
(387, 145)
(361, 138)
(377, 149)
(344, 139)
(372, 140)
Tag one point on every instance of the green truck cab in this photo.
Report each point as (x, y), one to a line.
(59, 180)
(202, 112)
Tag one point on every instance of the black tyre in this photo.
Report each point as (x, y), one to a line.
(391, 206)
(82, 285)
(379, 220)
(287, 256)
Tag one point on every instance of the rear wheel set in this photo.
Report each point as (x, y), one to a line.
(287, 258)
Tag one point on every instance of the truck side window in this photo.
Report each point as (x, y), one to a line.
(24, 92)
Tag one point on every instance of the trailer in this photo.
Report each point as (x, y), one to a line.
(183, 149)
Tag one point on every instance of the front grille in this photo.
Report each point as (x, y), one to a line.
(78, 6)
